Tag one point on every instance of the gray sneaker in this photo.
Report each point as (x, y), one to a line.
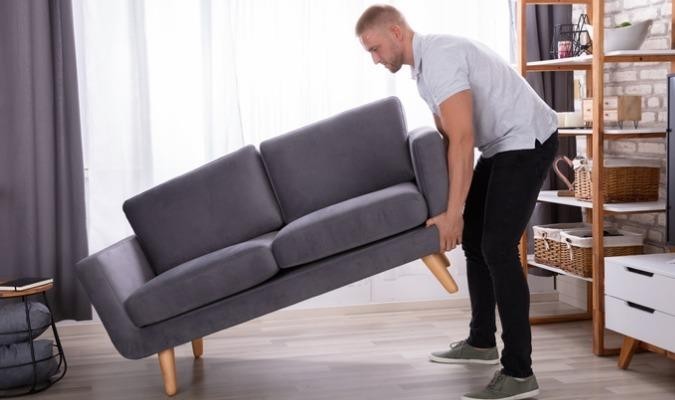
(463, 353)
(504, 387)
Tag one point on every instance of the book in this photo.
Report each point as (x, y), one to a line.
(18, 285)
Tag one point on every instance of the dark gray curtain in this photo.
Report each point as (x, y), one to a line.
(558, 91)
(42, 213)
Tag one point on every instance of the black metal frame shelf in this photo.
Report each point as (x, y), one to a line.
(62, 366)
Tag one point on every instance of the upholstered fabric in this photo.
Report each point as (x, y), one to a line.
(14, 374)
(13, 327)
(203, 280)
(223, 203)
(343, 187)
(348, 155)
(288, 287)
(428, 150)
(350, 224)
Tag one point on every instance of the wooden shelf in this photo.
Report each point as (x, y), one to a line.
(532, 263)
(551, 196)
(640, 56)
(618, 134)
(562, 64)
(587, 2)
(585, 62)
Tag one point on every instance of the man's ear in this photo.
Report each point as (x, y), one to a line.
(396, 31)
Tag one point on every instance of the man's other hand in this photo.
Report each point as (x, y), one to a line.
(450, 226)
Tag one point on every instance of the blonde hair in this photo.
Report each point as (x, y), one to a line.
(379, 15)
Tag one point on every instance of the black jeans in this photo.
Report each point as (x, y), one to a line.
(498, 207)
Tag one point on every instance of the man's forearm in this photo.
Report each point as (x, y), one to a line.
(460, 171)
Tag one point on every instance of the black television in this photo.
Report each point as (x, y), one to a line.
(670, 169)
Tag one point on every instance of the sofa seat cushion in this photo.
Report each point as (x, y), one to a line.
(203, 280)
(350, 224)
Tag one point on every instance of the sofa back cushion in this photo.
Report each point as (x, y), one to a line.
(353, 153)
(224, 202)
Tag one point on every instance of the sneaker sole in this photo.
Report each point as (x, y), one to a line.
(519, 396)
(442, 360)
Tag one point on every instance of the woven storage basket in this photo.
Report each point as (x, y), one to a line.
(577, 254)
(547, 244)
(625, 180)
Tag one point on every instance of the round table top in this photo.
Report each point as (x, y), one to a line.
(27, 292)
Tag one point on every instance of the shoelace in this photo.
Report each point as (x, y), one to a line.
(495, 383)
(456, 344)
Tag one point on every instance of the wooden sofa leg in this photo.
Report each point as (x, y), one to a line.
(167, 363)
(438, 264)
(198, 347)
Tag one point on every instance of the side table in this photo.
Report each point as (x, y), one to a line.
(638, 303)
(62, 365)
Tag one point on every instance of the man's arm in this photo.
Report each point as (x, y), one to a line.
(456, 123)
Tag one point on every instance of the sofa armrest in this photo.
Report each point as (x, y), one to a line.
(428, 151)
(109, 277)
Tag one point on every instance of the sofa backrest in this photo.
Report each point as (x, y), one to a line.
(224, 202)
(353, 153)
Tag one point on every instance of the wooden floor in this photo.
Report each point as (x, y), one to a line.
(383, 355)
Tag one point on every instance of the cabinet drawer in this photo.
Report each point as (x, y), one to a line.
(611, 115)
(642, 287)
(611, 103)
(608, 115)
(653, 327)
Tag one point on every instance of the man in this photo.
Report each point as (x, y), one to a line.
(479, 100)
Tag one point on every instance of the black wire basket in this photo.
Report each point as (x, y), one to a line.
(57, 353)
(38, 386)
(571, 40)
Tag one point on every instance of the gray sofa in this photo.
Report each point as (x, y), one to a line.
(253, 232)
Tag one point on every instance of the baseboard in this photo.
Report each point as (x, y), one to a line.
(396, 307)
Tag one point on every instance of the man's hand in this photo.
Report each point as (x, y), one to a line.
(450, 226)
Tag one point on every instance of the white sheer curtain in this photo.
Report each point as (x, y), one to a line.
(167, 85)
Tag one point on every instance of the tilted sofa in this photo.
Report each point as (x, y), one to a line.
(253, 232)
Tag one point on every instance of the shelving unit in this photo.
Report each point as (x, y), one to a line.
(617, 134)
(596, 210)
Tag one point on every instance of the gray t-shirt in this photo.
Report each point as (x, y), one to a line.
(508, 113)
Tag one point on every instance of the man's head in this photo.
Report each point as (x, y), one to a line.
(384, 33)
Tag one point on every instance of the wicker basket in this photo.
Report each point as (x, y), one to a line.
(625, 180)
(547, 244)
(577, 254)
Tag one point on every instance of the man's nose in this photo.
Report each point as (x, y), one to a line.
(376, 58)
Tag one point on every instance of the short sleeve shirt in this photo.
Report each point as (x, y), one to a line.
(508, 113)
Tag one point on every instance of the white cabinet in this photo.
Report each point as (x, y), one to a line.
(640, 298)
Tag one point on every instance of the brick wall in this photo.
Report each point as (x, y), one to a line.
(649, 81)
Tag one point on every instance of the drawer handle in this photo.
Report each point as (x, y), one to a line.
(640, 272)
(639, 307)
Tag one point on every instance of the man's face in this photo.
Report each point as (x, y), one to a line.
(383, 47)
